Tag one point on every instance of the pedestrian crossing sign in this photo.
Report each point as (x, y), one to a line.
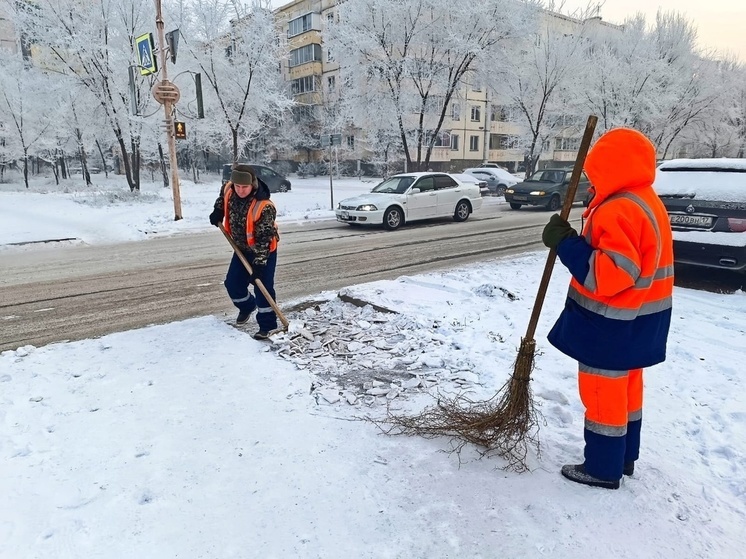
(146, 54)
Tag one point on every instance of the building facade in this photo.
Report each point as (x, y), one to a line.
(7, 32)
(477, 128)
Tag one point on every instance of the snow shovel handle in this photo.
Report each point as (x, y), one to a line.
(257, 281)
(577, 170)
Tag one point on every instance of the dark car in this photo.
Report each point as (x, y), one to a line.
(706, 203)
(547, 188)
(275, 181)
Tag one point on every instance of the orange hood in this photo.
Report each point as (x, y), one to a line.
(621, 159)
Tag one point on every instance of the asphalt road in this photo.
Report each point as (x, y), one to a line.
(61, 293)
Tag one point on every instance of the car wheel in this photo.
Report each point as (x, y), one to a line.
(514, 206)
(500, 191)
(283, 187)
(554, 203)
(463, 209)
(393, 219)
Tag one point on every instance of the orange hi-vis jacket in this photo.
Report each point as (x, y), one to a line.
(618, 308)
(255, 211)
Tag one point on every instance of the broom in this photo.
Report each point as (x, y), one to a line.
(506, 423)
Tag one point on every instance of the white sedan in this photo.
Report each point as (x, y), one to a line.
(409, 197)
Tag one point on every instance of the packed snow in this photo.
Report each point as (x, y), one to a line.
(191, 439)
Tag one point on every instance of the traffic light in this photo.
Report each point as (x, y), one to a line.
(172, 40)
(179, 130)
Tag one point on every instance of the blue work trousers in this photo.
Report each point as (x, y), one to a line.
(237, 282)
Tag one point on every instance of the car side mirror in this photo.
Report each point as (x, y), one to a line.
(415, 190)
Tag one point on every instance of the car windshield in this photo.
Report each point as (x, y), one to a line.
(548, 176)
(397, 185)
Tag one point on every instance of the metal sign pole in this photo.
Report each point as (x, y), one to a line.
(331, 186)
(167, 107)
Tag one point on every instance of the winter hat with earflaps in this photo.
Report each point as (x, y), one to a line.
(243, 174)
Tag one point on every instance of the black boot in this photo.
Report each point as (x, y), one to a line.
(576, 473)
(629, 468)
(261, 335)
(243, 317)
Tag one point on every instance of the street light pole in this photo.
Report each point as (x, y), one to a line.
(168, 109)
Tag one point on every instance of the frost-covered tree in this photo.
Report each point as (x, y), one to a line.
(541, 79)
(238, 51)
(95, 45)
(651, 78)
(28, 109)
(686, 80)
(719, 130)
(403, 60)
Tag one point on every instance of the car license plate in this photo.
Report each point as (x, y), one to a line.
(696, 220)
(521, 198)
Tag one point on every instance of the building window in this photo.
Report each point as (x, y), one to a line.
(304, 85)
(329, 55)
(442, 140)
(331, 83)
(304, 114)
(504, 141)
(329, 18)
(456, 111)
(351, 142)
(473, 143)
(476, 113)
(502, 113)
(454, 142)
(308, 53)
(567, 144)
(301, 25)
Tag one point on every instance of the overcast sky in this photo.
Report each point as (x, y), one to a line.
(720, 22)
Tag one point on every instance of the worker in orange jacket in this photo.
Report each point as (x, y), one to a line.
(618, 308)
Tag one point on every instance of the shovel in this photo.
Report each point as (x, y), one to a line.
(257, 282)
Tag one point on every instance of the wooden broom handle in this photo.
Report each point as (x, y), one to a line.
(585, 145)
(257, 282)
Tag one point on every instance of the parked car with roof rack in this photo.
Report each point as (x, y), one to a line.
(706, 203)
(410, 197)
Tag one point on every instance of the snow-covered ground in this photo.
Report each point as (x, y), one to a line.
(191, 439)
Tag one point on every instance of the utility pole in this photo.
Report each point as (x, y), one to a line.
(167, 93)
(331, 185)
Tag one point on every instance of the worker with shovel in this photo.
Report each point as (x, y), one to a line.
(247, 216)
(618, 308)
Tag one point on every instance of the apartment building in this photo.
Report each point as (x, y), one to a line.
(477, 129)
(7, 32)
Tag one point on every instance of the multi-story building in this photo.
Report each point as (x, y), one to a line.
(7, 33)
(477, 129)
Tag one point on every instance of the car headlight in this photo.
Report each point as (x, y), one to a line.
(537, 193)
(366, 208)
(339, 205)
(509, 191)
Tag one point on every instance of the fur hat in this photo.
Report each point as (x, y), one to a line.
(243, 174)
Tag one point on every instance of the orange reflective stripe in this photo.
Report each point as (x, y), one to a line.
(227, 190)
(634, 395)
(255, 212)
(611, 398)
